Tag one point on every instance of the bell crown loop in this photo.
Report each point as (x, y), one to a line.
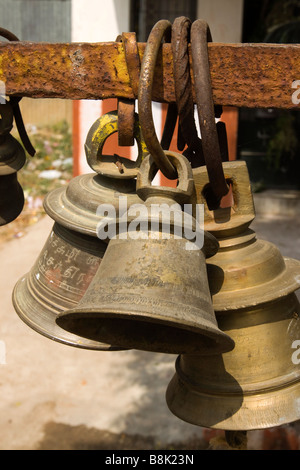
(227, 221)
(184, 189)
(183, 193)
(112, 165)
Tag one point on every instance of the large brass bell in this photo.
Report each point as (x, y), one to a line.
(151, 292)
(256, 385)
(73, 252)
(12, 159)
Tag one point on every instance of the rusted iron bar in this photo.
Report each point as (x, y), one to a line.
(243, 75)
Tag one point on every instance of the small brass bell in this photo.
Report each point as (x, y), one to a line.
(12, 159)
(73, 252)
(256, 385)
(151, 292)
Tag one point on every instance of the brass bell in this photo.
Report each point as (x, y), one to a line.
(256, 385)
(73, 252)
(12, 159)
(151, 291)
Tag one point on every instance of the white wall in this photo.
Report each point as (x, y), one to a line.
(95, 21)
(224, 17)
(99, 20)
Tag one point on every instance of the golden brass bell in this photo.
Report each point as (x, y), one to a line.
(72, 252)
(257, 384)
(151, 291)
(12, 159)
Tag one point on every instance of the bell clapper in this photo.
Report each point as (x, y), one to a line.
(231, 440)
(236, 439)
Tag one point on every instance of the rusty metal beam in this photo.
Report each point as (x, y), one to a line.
(243, 75)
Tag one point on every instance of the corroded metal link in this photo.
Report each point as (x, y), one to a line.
(125, 116)
(162, 29)
(8, 35)
(126, 122)
(132, 60)
(169, 126)
(200, 36)
(183, 90)
(126, 107)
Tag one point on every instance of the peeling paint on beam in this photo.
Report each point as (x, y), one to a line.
(243, 75)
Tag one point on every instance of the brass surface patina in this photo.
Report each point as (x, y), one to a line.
(256, 385)
(151, 293)
(73, 251)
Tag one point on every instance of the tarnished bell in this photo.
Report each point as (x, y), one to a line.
(257, 384)
(151, 291)
(72, 252)
(12, 159)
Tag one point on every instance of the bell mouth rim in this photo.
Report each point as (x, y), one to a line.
(279, 287)
(244, 417)
(220, 341)
(39, 327)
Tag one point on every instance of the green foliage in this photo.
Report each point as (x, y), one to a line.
(53, 145)
(284, 144)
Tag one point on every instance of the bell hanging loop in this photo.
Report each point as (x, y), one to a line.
(112, 165)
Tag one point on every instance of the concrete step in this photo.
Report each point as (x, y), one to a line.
(277, 202)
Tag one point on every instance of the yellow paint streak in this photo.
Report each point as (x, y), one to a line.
(170, 277)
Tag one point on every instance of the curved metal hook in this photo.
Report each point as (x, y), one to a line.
(162, 29)
(183, 91)
(200, 36)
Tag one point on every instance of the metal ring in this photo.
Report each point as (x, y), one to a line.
(169, 126)
(183, 90)
(181, 193)
(200, 36)
(15, 103)
(126, 120)
(112, 165)
(132, 58)
(161, 29)
(8, 35)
